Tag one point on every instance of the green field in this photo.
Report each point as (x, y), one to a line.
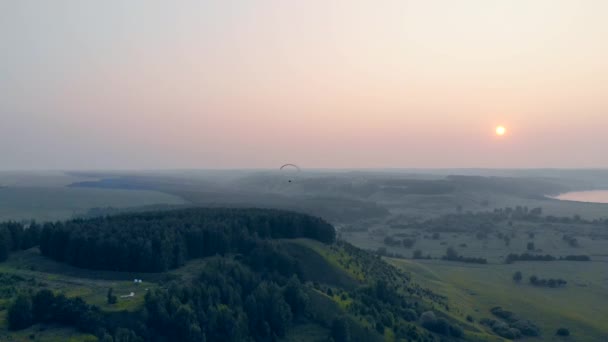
(475, 289)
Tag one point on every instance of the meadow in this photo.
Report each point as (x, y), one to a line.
(475, 289)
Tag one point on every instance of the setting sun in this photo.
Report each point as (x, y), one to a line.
(501, 130)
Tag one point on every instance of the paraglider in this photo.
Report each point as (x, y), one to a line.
(290, 167)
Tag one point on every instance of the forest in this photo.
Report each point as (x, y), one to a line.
(158, 241)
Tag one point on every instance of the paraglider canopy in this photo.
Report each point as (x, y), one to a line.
(290, 167)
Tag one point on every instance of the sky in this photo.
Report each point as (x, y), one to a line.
(146, 84)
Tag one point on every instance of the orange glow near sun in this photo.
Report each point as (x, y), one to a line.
(501, 130)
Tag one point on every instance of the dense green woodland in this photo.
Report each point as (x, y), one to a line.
(158, 241)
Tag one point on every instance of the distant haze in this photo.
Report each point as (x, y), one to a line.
(357, 84)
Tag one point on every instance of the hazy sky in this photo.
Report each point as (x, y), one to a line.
(222, 84)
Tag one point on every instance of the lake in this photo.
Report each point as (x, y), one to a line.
(594, 196)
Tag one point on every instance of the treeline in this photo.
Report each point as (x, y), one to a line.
(394, 242)
(46, 307)
(16, 236)
(511, 258)
(534, 280)
(576, 258)
(481, 222)
(452, 255)
(158, 241)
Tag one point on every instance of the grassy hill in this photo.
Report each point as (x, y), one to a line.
(334, 275)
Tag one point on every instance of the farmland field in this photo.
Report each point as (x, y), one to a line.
(475, 289)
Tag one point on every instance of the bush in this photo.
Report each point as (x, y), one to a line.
(456, 331)
(427, 318)
(517, 276)
(526, 327)
(111, 298)
(562, 332)
(504, 314)
(452, 255)
(20, 313)
(410, 315)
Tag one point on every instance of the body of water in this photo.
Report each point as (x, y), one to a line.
(594, 196)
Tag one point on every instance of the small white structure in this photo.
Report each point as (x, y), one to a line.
(132, 294)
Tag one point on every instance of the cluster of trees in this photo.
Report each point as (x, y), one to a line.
(534, 280)
(46, 307)
(393, 242)
(418, 255)
(511, 258)
(511, 326)
(158, 241)
(16, 236)
(452, 255)
(481, 222)
(229, 302)
(440, 325)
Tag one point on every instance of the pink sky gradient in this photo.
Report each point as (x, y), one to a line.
(347, 84)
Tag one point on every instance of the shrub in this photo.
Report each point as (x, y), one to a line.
(456, 331)
(504, 314)
(526, 327)
(427, 318)
(410, 315)
(517, 276)
(20, 313)
(562, 332)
